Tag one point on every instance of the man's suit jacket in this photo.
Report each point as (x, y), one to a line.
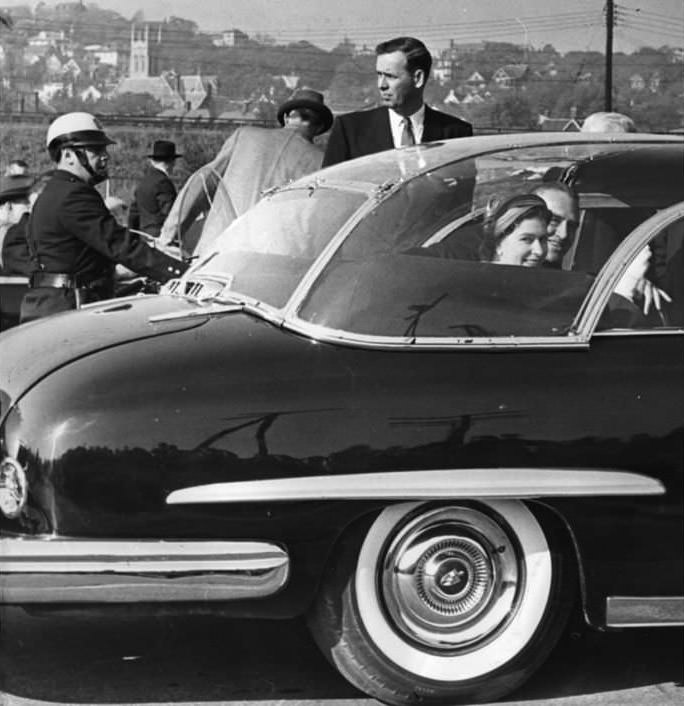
(152, 202)
(368, 131)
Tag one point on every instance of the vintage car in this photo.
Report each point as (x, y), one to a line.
(438, 461)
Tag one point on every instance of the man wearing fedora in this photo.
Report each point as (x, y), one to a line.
(402, 66)
(155, 192)
(14, 208)
(252, 160)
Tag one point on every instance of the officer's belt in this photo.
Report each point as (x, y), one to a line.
(53, 279)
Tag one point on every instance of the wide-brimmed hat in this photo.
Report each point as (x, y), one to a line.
(307, 98)
(13, 188)
(164, 151)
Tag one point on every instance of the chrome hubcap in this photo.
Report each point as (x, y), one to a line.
(450, 578)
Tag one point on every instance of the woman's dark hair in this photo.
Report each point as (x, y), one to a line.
(503, 216)
(417, 55)
(308, 115)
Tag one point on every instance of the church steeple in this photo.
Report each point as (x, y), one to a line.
(139, 66)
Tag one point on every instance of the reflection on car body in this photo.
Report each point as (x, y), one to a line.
(435, 460)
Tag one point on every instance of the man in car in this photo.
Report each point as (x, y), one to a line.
(563, 204)
(403, 67)
(74, 240)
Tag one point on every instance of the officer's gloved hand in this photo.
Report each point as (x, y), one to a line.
(136, 285)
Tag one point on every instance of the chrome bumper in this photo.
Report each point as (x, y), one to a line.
(57, 570)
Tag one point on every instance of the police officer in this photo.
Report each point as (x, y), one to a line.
(74, 240)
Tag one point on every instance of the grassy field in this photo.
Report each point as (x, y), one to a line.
(128, 156)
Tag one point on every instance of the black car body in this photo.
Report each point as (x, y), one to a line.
(435, 460)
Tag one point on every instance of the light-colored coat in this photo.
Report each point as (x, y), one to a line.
(251, 161)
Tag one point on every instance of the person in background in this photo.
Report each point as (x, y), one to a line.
(514, 231)
(608, 122)
(403, 67)
(74, 240)
(253, 160)
(17, 167)
(14, 207)
(155, 192)
(16, 257)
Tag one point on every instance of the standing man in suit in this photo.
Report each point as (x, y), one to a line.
(155, 192)
(403, 67)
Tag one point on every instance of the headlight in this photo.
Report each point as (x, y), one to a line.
(13, 487)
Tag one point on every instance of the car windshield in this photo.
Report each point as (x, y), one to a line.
(264, 254)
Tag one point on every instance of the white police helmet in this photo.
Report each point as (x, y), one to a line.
(75, 130)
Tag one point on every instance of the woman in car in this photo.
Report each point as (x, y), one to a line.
(514, 231)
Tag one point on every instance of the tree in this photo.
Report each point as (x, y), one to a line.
(354, 82)
(129, 104)
(512, 109)
(585, 98)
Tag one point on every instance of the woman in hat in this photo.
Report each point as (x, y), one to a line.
(514, 231)
(252, 161)
(306, 112)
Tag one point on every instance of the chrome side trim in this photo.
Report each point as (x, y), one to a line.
(623, 332)
(49, 570)
(435, 484)
(14, 279)
(646, 611)
(472, 343)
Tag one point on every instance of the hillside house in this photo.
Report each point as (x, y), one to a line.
(510, 75)
(229, 38)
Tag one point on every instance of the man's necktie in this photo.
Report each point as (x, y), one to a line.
(407, 137)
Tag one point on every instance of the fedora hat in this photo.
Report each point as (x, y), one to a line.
(164, 151)
(307, 98)
(14, 188)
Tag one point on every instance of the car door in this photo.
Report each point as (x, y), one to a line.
(636, 367)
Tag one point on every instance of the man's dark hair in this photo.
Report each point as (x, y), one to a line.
(417, 55)
(559, 186)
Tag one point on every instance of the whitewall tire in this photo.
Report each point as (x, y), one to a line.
(437, 603)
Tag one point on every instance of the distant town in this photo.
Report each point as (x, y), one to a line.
(74, 56)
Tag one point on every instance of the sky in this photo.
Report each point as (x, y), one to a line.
(576, 25)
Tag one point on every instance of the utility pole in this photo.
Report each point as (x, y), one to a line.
(608, 97)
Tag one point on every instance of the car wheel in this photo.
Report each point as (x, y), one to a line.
(443, 603)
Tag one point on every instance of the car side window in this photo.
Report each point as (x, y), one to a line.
(417, 295)
(650, 293)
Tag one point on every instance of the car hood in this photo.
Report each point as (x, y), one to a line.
(31, 351)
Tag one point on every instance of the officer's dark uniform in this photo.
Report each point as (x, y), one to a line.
(152, 202)
(75, 243)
